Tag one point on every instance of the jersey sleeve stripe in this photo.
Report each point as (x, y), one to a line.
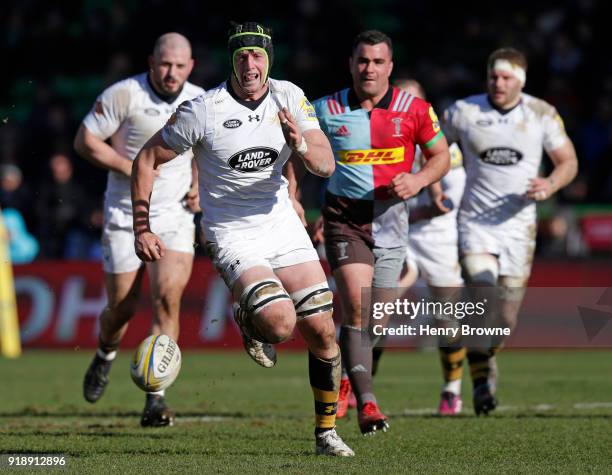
(398, 99)
(401, 105)
(344, 99)
(329, 105)
(434, 139)
(407, 106)
(338, 103)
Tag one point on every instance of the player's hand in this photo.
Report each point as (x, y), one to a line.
(292, 133)
(405, 185)
(441, 204)
(299, 209)
(316, 233)
(540, 189)
(149, 246)
(191, 200)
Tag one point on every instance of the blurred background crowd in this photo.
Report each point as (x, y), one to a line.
(59, 56)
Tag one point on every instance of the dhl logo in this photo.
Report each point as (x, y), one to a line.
(377, 156)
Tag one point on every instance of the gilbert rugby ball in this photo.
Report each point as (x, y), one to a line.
(156, 363)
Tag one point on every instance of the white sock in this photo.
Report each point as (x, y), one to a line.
(452, 387)
(110, 356)
(157, 393)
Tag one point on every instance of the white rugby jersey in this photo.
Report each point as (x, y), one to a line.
(444, 226)
(502, 151)
(240, 153)
(130, 113)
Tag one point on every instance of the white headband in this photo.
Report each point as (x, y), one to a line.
(514, 69)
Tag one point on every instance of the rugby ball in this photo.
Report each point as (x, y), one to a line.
(156, 363)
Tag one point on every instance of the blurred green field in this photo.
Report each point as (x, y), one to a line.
(555, 416)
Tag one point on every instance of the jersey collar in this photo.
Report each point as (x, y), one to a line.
(384, 103)
(248, 104)
(503, 111)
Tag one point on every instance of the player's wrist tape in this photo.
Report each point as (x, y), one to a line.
(303, 148)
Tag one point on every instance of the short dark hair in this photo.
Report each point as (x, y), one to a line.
(512, 55)
(372, 37)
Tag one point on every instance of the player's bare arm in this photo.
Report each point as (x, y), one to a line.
(192, 198)
(565, 169)
(153, 154)
(293, 172)
(438, 199)
(312, 146)
(98, 152)
(405, 185)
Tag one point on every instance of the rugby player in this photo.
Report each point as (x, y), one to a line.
(502, 134)
(129, 113)
(373, 128)
(433, 255)
(243, 132)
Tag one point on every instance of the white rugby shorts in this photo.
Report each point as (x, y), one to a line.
(514, 247)
(437, 261)
(280, 242)
(175, 228)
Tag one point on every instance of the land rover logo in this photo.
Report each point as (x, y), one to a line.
(253, 159)
(501, 156)
(232, 123)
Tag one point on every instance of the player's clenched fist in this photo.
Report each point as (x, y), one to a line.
(149, 247)
(292, 134)
(540, 189)
(404, 185)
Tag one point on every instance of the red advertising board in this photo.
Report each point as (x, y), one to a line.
(59, 303)
(597, 232)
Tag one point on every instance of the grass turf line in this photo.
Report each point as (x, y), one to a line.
(234, 415)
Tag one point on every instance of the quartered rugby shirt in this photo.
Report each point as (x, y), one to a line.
(372, 147)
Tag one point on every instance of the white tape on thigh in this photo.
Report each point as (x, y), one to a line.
(481, 268)
(262, 293)
(512, 288)
(312, 300)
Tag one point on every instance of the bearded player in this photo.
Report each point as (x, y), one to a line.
(129, 113)
(502, 134)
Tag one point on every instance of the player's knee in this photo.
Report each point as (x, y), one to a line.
(480, 269)
(512, 291)
(276, 322)
(270, 308)
(326, 332)
(352, 313)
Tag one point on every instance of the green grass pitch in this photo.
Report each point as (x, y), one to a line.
(233, 416)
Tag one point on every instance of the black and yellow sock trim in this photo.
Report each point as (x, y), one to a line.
(451, 359)
(325, 382)
(480, 367)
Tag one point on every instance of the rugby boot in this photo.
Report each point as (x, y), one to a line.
(330, 443)
(371, 419)
(484, 401)
(156, 412)
(450, 404)
(96, 379)
(264, 354)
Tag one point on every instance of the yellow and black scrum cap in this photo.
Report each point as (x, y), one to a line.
(250, 35)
